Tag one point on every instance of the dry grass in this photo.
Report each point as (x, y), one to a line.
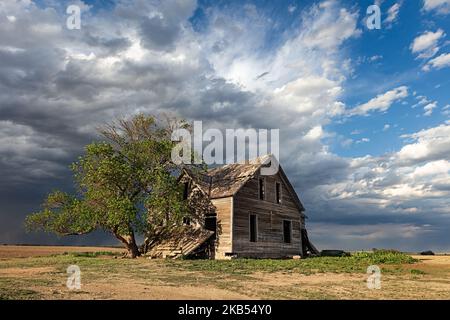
(107, 276)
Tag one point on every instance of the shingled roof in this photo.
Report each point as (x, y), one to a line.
(227, 180)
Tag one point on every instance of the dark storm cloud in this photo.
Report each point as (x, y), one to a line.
(112, 45)
(158, 33)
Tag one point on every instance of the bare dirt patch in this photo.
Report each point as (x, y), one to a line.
(42, 275)
(433, 260)
(117, 290)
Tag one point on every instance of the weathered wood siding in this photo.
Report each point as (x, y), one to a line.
(270, 216)
(224, 212)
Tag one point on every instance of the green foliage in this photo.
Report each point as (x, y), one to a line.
(416, 271)
(62, 214)
(384, 257)
(126, 185)
(357, 262)
(93, 254)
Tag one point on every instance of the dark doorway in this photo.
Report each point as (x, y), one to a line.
(211, 224)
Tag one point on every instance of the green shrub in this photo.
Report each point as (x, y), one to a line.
(357, 262)
(416, 271)
(93, 254)
(383, 257)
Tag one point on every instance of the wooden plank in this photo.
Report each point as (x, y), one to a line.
(270, 240)
(224, 216)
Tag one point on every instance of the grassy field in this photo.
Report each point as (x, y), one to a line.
(105, 275)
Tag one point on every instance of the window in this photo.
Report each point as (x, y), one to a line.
(287, 231)
(187, 221)
(253, 228)
(262, 190)
(186, 190)
(278, 192)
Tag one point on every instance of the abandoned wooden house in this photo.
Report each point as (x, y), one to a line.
(251, 215)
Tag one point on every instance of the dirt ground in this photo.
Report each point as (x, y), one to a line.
(23, 275)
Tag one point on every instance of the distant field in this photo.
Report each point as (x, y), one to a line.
(9, 251)
(40, 273)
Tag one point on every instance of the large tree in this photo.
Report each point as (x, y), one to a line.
(126, 185)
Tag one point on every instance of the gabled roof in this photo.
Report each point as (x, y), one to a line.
(227, 180)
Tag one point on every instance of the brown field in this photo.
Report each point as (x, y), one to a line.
(38, 272)
(10, 251)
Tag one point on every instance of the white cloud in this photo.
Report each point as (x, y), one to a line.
(315, 133)
(422, 100)
(326, 35)
(304, 94)
(446, 110)
(429, 108)
(433, 168)
(414, 180)
(441, 6)
(426, 45)
(393, 12)
(381, 102)
(386, 127)
(430, 144)
(375, 58)
(291, 8)
(439, 62)
(363, 140)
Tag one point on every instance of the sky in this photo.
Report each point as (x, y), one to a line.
(364, 114)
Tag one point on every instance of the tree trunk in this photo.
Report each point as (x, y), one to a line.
(133, 250)
(130, 243)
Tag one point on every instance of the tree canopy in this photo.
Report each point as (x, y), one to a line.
(126, 185)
